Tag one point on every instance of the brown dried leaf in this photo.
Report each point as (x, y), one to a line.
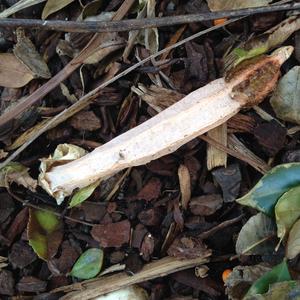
(13, 73)
(206, 205)
(26, 52)
(113, 234)
(216, 5)
(53, 6)
(185, 185)
(85, 120)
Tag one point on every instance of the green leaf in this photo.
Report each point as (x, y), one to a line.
(280, 290)
(256, 235)
(287, 211)
(293, 243)
(44, 233)
(285, 99)
(271, 187)
(262, 43)
(83, 194)
(88, 264)
(278, 274)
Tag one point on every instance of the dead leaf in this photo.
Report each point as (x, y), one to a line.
(85, 120)
(216, 5)
(15, 172)
(53, 6)
(26, 52)
(3, 154)
(185, 185)
(13, 73)
(63, 153)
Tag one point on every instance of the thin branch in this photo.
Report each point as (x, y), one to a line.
(62, 216)
(87, 99)
(136, 24)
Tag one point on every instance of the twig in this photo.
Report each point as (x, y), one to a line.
(25, 203)
(135, 24)
(87, 99)
(261, 168)
(103, 285)
(208, 233)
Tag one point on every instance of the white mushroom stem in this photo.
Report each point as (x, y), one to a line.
(192, 116)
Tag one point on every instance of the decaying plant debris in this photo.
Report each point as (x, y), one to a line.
(174, 179)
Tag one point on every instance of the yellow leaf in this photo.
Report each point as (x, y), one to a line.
(53, 6)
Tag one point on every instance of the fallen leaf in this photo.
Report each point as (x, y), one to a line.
(254, 237)
(53, 6)
(91, 9)
(89, 264)
(216, 5)
(83, 194)
(263, 43)
(113, 234)
(293, 243)
(26, 52)
(279, 290)
(287, 211)
(85, 120)
(277, 274)
(285, 99)
(45, 233)
(241, 278)
(63, 153)
(265, 194)
(3, 154)
(206, 205)
(185, 185)
(13, 73)
(15, 172)
(19, 6)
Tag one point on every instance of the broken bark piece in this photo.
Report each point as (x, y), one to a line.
(206, 205)
(113, 234)
(198, 112)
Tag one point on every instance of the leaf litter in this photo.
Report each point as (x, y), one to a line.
(169, 210)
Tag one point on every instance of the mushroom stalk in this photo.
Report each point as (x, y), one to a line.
(190, 117)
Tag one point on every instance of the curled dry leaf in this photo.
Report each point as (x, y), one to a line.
(185, 185)
(241, 278)
(15, 172)
(13, 73)
(255, 236)
(45, 233)
(285, 99)
(26, 52)
(53, 6)
(63, 153)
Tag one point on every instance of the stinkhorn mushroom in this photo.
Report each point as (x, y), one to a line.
(195, 114)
